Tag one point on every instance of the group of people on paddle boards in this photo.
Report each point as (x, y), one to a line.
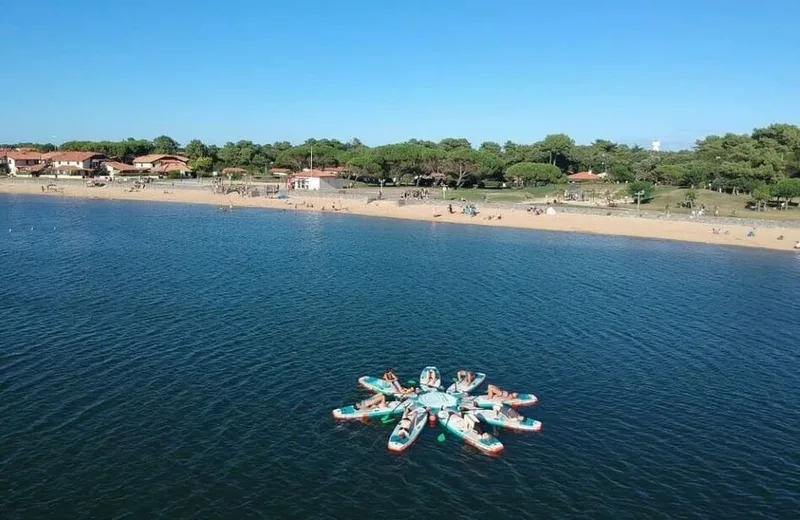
(431, 378)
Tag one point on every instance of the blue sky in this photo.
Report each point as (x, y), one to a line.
(386, 71)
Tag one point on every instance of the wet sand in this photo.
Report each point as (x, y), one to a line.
(766, 237)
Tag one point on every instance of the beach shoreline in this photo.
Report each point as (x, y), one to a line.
(617, 225)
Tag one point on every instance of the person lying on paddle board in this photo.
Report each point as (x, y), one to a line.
(465, 377)
(494, 391)
(431, 379)
(405, 424)
(472, 425)
(390, 377)
(507, 412)
(375, 401)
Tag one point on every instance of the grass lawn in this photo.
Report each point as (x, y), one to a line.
(728, 205)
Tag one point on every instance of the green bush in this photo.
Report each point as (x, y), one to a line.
(645, 187)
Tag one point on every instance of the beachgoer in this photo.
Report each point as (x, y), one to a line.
(405, 424)
(372, 402)
(465, 377)
(797, 245)
(472, 426)
(507, 412)
(494, 391)
(431, 379)
(389, 376)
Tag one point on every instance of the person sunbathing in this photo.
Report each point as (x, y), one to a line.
(465, 378)
(472, 426)
(405, 424)
(494, 391)
(391, 378)
(508, 412)
(375, 401)
(431, 378)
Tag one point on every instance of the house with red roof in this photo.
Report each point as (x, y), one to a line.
(18, 161)
(75, 161)
(162, 164)
(117, 169)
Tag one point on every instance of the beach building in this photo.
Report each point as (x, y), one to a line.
(155, 160)
(79, 160)
(118, 169)
(315, 180)
(584, 177)
(19, 162)
(162, 164)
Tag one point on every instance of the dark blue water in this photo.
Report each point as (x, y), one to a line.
(165, 361)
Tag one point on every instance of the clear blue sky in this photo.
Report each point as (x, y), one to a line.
(386, 71)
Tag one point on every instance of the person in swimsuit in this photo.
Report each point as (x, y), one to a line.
(405, 424)
(472, 425)
(507, 412)
(494, 391)
(390, 377)
(431, 379)
(465, 378)
(375, 401)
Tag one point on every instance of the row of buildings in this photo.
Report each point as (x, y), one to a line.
(29, 162)
(22, 161)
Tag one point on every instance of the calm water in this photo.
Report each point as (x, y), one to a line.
(162, 361)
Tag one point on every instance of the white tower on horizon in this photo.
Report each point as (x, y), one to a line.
(656, 146)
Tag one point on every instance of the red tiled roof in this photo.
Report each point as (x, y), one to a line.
(24, 156)
(75, 156)
(36, 168)
(172, 166)
(583, 176)
(119, 166)
(153, 157)
(49, 155)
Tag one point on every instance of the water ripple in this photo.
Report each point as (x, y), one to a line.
(162, 361)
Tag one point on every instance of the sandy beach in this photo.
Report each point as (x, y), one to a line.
(733, 235)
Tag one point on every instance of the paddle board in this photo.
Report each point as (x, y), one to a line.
(390, 408)
(423, 378)
(457, 426)
(398, 443)
(498, 419)
(378, 385)
(463, 387)
(483, 401)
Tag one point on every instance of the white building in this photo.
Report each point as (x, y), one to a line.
(77, 160)
(21, 160)
(315, 180)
